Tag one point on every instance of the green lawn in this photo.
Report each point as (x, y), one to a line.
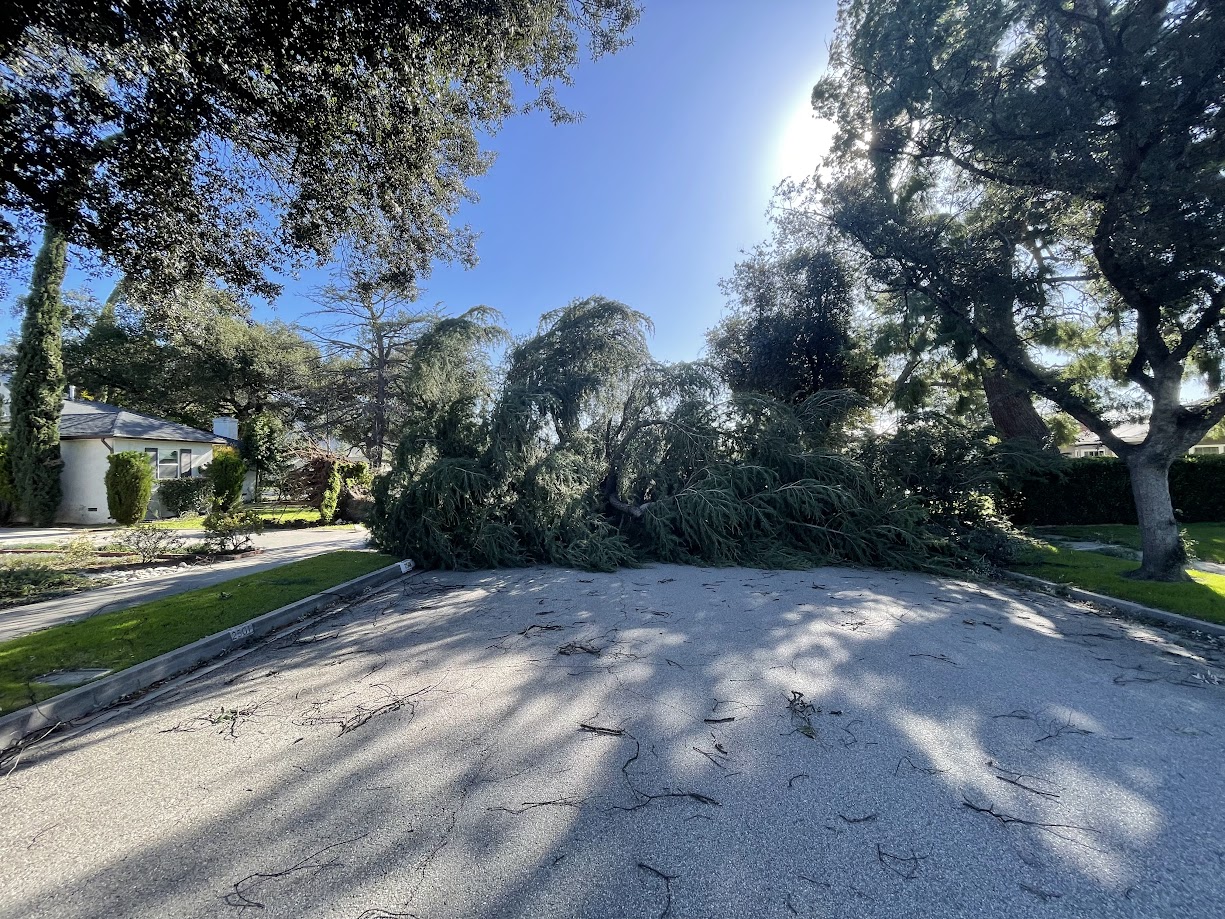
(1203, 598)
(118, 640)
(275, 514)
(1209, 537)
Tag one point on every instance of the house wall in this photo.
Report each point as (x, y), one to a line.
(84, 477)
(82, 482)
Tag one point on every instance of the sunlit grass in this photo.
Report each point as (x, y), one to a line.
(1209, 537)
(1203, 597)
(115, 641)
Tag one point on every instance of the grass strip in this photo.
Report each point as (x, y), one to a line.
(1203, 597)
(1209, 538)
(115, 641)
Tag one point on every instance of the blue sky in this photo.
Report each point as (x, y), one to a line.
(649, 199)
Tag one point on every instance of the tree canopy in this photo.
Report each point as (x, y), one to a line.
(789, 332)
(1047, 177)
(183, 140)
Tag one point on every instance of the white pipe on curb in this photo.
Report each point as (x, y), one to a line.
(87, 699)
(1126, 607)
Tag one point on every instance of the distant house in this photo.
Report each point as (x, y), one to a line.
(92, 431)
(1089, 444)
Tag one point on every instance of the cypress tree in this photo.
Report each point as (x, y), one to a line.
(38, 387)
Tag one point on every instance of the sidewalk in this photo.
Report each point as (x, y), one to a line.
(1087, 546)
(280, 547)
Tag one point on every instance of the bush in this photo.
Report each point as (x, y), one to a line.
(180, 496)
(149, 541)
(226, 473)
(129, 486)
(962, 476)
(232, 532)
(1096, 490)
(80, 551)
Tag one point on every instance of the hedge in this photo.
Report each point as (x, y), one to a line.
(1097, 490)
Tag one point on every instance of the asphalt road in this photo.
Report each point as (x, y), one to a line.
(280, 547)
(664, 742)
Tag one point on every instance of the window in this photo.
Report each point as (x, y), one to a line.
(168, 464)
(1205, 451)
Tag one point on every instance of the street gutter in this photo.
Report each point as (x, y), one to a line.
(16, 727)
(1124, 607)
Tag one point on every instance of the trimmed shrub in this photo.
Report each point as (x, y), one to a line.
(226, 473)
(179, 496)
(1096, 490)
(129, 486)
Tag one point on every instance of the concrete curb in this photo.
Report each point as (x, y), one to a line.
(1125, 607)
(91, 697)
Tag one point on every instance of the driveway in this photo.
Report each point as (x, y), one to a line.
(663, 742)
(280, 547)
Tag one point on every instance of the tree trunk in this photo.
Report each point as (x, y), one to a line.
(1163, 557)
(1012, 407)
(38, 386)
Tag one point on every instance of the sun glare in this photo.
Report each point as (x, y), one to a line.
(805, 140)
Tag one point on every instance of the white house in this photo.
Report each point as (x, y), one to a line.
(92, 431)
(1089, 444)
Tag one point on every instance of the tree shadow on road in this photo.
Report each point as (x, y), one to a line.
(665, 741)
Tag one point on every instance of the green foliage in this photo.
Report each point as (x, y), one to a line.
(137, 350)
(331, 495)
(129, 486)
(961, 475)
(38, 388)
(1098, 490)
(265, 447)
(591, 455)
(1081, 262)
(149, 542)
(187, 495)
(367, 132)
(789, 334)
(8, 490)
(232, 531)
(226, 472)
(324, 480)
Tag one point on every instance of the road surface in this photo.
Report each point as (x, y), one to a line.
(662, 742)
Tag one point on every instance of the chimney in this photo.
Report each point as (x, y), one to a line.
(226, 427)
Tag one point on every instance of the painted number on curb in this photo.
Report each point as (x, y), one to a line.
(243, 631)
(406, 566)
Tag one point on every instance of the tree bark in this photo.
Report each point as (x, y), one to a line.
(1163, 554)
(1012, 407)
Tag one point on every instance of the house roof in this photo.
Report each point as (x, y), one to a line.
(1130, 433)
(85, 420)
